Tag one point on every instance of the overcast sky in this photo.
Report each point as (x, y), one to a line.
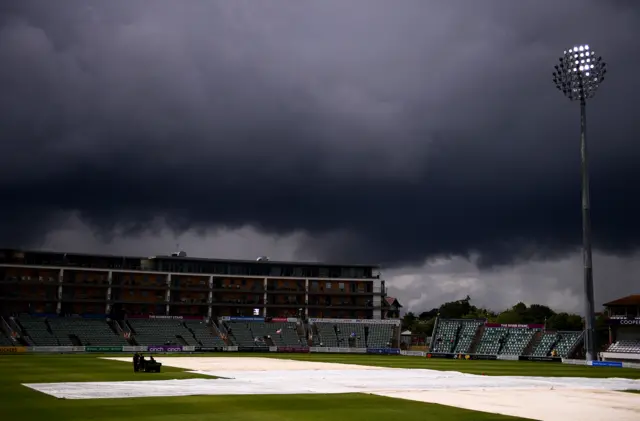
(426, 136)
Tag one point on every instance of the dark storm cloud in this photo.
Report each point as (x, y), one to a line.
(387, 131)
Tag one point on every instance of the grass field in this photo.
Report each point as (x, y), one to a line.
(26, 404)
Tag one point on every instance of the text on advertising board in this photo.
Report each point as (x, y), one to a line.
(625, 322)
(12, 349)
(165, 349)
(366, 321)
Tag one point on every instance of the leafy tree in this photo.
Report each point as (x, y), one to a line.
(518, 314)
(538, 313)
(520, 308)
(510, 317)
(564, 321)
(428, 315)
(456, 309)
(408, 320)
(423, 327)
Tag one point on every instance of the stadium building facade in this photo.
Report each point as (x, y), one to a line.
(624, 329)
(177, 285)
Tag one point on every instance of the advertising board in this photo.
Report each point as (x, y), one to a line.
(628, 321)
(295, 349)
(161, 317)
(483, 357)
(605, 364)
(253, 349)
(413, 353)
(56, 349)
(383, 351)
(134, 349)
(103, 348)
(164, 348)
(338, 350)
(12, 349)
(544, 359)
(439, 355)
(357, 321)
(209, 349)
(515, 325)
(241, 319)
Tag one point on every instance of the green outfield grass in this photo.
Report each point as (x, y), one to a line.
(26, 404)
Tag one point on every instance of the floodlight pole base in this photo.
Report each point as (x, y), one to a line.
(589, 309)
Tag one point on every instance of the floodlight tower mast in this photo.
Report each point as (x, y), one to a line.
(578, 76)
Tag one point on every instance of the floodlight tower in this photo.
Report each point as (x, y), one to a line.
(578, 76)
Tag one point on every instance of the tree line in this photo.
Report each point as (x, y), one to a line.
(423, 323)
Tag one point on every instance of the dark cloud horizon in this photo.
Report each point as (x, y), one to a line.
(387, 134)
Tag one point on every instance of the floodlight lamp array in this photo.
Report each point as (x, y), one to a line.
(579, 73)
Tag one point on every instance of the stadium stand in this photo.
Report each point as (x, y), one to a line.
(545, 346)
(89, 332)
(446, 335)
(492, 340)
(380, 336)
(204, 334)
(161, 332)
(567, 341)
(326, 334)
(4, 340)
(517, 340)
(241, 335)
(460, 336)
(282, 334)
(466, 336)
(351, 335)
(37, 329)
(625, 346)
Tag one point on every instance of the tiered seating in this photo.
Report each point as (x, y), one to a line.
(36, 328)
(204, 334)
(517, 341)
(467, 333)
(160, 332)
(241, 334)
(288, 335)
(380, 336)
(327, 334)
(351, 335)
(625, 346)
(89, 331)
(545, 346)
(491, 340)
(259, 330)
(444, 339)
(4, 340)
(566, 342)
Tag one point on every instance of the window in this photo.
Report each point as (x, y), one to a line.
(314, 285)
(328, 285)
(341, 286)
(275, 271)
